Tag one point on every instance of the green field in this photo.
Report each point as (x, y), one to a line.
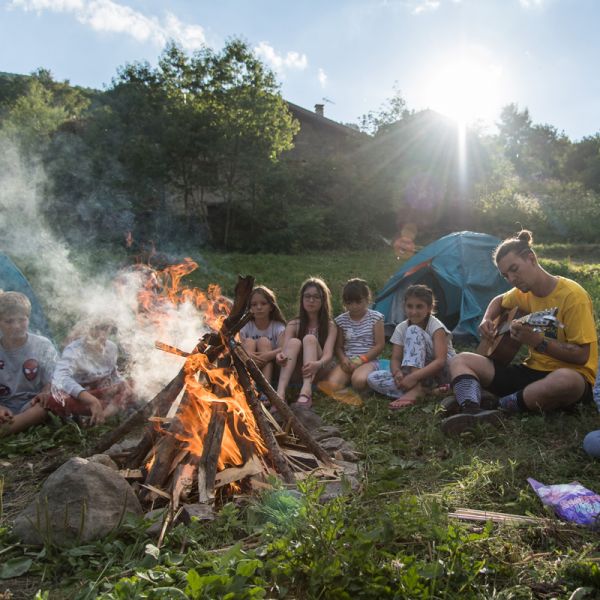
(390, 539)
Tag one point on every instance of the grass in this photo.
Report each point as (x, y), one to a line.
(392, 539)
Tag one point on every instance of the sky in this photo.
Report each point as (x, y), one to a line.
(463, 58)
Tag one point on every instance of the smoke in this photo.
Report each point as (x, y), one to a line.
(72, 294)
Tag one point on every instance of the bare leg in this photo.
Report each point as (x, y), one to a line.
(337, 378)
(359, 376)
(558, 389)
(310, 352)
(249, 345)
(28, 418)
(264, 345)
(292, 350)
(469, 363)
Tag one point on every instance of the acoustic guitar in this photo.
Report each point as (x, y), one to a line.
(503, 348)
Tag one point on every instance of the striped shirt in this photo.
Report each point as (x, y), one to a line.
(359, 336)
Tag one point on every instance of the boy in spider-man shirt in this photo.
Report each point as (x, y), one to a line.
(26, 366)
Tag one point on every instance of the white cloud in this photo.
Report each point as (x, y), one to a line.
(279, 62)
(531, 3)
(322, 76)
(112, 17)
(421, 6)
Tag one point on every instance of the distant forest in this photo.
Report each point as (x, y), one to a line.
(200, 151)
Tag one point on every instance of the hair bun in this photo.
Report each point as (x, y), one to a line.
(525, 236)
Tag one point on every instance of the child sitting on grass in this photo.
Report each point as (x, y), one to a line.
(421, 347)
(86, 380)
(359, 343)
(26, 365)
(308, 340)
(262, 336)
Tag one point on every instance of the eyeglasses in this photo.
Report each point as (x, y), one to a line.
(315, 297)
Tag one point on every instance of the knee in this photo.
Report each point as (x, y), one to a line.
(310, 341)
(263, 344)
(359, 380)
(249, 345)
(591, 444)
(374, 376)
(293, 345)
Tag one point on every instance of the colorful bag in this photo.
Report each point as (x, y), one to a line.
(571, 502)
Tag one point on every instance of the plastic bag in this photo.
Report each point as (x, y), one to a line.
(571, 501)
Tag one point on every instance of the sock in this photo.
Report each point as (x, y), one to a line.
(467, 389)
(512, 403)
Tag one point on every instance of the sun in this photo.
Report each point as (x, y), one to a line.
(465, 89)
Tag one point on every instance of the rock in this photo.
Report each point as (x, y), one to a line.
(155, 519)
(326, 431)
(333, 489)
(331, 444)
(202, 512)
(103, 459)
(80, 502)
(308, 417)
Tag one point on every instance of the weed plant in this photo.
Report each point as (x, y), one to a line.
(392, 538)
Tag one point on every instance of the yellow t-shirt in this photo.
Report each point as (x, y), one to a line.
(574, 311)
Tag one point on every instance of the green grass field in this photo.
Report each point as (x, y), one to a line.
(391, 539)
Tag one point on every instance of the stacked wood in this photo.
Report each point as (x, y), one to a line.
(173, 472)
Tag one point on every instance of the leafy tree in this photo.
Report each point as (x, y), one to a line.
(536, 151)
(198, 125)
(43, 107)
(583, 162)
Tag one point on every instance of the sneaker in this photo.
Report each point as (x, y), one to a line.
(467, 421)
(450, 406)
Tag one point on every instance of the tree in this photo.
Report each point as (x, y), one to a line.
(199, 124)
(43, 107)
(536, 151)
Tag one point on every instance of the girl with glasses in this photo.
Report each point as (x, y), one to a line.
(309, 340)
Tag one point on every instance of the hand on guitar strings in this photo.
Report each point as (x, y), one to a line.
(525, 334)
(487, 328)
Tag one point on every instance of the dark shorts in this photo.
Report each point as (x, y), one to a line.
(512, 378)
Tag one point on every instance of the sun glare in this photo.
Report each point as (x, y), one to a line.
(465, 90)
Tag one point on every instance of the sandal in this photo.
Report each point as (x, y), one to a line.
(304, 400)
(401, 402)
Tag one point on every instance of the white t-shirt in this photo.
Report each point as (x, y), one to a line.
(272, 332)
(79, 368)
(433, 324)
(359, 335)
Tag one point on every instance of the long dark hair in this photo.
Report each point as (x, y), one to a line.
(520, 244)
(269, 296)
(324, 317)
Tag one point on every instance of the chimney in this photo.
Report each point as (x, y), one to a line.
(320, 109)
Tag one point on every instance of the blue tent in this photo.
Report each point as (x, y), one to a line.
(460, 271)
(12, 280)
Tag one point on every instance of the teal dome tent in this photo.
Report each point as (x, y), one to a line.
(460, 271)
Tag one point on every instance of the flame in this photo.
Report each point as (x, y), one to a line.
(158, 294)
(196, 413)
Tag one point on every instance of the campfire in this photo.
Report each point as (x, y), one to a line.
(221, 441)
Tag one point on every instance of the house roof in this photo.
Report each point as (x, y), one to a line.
(303, 114)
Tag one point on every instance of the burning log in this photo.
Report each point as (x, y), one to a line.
(207, 466)
(280, 404)
(277, 456)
